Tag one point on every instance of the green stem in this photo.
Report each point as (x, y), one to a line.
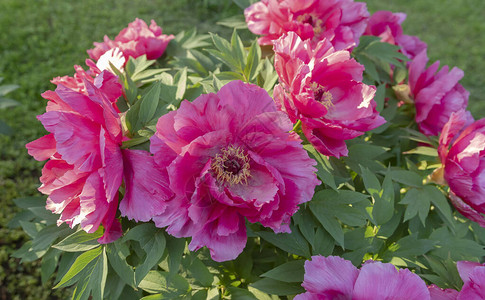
(297, 126)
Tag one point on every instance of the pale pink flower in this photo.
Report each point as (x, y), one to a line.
(462, 154)
(86, 164)
(387, 26)
(230, 157)
(323, 88)
(336, 278)
(436, 96)
(473, 276)
(340, 21)
(76, 82)
(136, 40)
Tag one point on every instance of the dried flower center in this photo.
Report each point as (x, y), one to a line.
(231, 166)
(314, 21)
(321, 95)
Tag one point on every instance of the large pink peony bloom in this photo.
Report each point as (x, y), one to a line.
(323, 88)
(473, 276)
(462, 154)
(336, 278)
(135, 40)
(436, 96)
(86, 164)
(340, 21)
(230, 157)
(387, 26)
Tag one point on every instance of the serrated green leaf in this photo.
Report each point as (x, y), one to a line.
(175, 247)
(292, 271)
(328, 221)
(80, 241)
(324, 170)
(439, 201)
(372, 184)
(428, 151)
(181, 80)
(417, 204)
(384, 203)
(236, 22)
(408, 178)
(253, 64)
(200, 271)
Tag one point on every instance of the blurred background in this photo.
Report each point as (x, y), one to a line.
(41, 39)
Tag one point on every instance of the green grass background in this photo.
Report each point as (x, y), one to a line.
(41, 39)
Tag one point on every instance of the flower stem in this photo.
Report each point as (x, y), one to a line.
(297, 126)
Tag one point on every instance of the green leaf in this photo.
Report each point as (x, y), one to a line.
(236, 22)
(149, 104)
(169, 285)
(292, 271)
(292, 242)
(439, 201)
(93, 279)
(175, 247)
(49, 264)
(181, 80)
(276, 287)
(328, 221)
(417, 204)
(407, 177)
(7, 102)
(80, 241)
(428, 151)
(253, 61)
(7, 88)
(79, 264)
(199, 271)
(152, 241)
(372, 184)
(384, 203)
(324, 170)
(117, 253)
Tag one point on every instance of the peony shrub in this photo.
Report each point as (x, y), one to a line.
(335, 166)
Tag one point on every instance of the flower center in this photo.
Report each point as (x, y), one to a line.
(314, 21)
(321, 95)
(231, 166)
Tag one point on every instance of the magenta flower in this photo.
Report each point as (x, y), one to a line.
(336, 278)
(462, 155)
(473, 276)
(86, 164)
(135, 40)
(437, 293)
(387, 26)
(323, 88)
(230, 157)
(340, 21)
(436, 96)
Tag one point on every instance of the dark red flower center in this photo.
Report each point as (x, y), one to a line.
(231, 166)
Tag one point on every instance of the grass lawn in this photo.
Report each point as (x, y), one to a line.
(41, 39)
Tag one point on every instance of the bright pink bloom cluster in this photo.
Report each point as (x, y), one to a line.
(135, 40)
(436, 96)
(84, 171)
(340, 21)
(336, 278)
(230, 157)
(387, 26)
(323, 88)
(462, 153)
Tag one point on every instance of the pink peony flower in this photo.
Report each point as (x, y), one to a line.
(323, 88)
(76, 83)
(473, 276)
(463, 158)
(437, 293)
(387, 26)
(135, 40)
(230, 157)
(340, 21)
(86, 164)
(336, 278)
(436, 96)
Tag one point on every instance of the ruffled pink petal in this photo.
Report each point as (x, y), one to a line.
(146, 187)
(330, 277)
(383, 281)
(437, 293)
(42, 148)
(474, 286)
